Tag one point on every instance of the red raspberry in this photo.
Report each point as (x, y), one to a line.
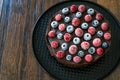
(99, 16)
(81, 8)
(78, 32)
(99, 51)
(73, 49)
(88, 57)
(51, 34)
(73, 8)
(58, 17)
(77, 59)
(67, 37)
(91, 30)
(97, 42)
(88, 18)
(54, 44)
(60, 54)
(107, 36)
(104, 26)
(61, 27)
(75, 22)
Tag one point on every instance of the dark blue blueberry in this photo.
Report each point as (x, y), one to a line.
(104, 44)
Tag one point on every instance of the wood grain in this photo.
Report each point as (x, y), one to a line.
(17, 20)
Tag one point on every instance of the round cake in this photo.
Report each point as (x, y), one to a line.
(78, 35)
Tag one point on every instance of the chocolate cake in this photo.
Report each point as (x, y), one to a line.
(78, 35)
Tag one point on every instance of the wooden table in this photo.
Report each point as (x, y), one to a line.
(17, 20)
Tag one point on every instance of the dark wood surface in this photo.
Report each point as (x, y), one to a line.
(17, 20)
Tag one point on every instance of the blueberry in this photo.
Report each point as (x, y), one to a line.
(95, 23)
(67, 19)
(54, 24)
(84, 25)
(91, 11)
(91, 50)
(99, 33)
(59, 35)
(64, 46)
(78, 14)
(70, 28)
(65, 10)
(68, 57)
(76, 40)
(87, 36)
(81, 53)
(104, 44)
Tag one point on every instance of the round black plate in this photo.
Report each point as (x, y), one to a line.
(94, 72)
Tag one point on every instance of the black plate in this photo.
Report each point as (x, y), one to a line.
(94, 72)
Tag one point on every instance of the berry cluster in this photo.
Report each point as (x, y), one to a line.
(75, 33)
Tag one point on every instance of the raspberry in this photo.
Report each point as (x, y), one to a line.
(73, 8)
(54, 44)
(61, 27)
(75, 22)
(88, 18)
(88, 57)
(85, 45)
(107, 36)
(78, 32)
(99, 16)
(99, 51)
(77, 59)
(60, 54)
(91, 30)
(58, 17)
(73, 49)
(81, 8)
(97, 42)
(104, 26)
(51, 34)
(67, 37)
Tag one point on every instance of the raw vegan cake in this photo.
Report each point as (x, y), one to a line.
(78, 35)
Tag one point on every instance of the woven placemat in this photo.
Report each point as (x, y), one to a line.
(96, 71)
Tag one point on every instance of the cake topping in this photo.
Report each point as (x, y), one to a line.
(99, 16)
(91, 30)
(97, 42)
(95, 23)
(73, 8)
(67, 19)
(81, 8)
(58, 17)
(54, 44)
(90, 11)
(60, 54)
(104, 44)
(77, 59)
(67, 37)
(54, 24)
(87, 36)
(65, 10)
(52, 34)
(61, 27)
(76, 40)
(85, 45)
(78, 32)
(64, 46)
(104, 26)
(88, 18)
(91, 50)
(59, 35)
(68, 57)
(78, 14)
(70, 28)
(107, 36)
(73, 49)
(99, 33)
(88, 58)
(84, 25)
(75, 22)
(81, 53)
(99, 51)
